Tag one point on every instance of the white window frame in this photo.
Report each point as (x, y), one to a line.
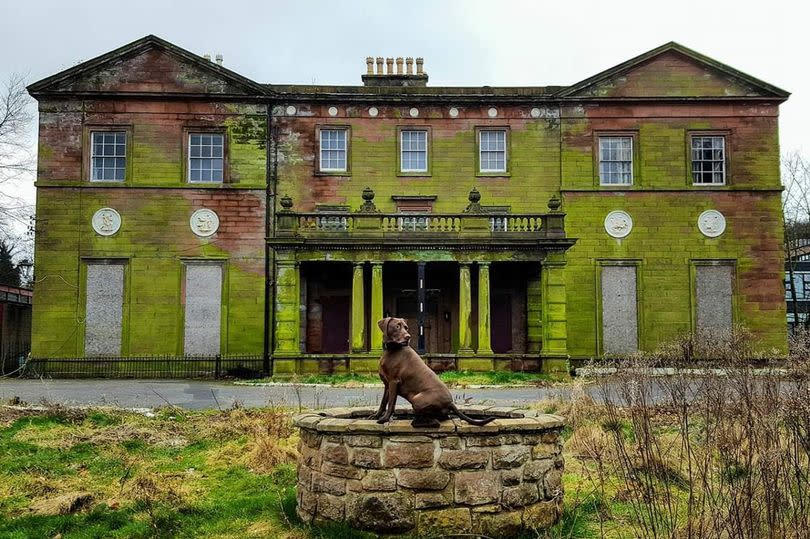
(602, 181)
(189, 157)
(692, 159)
(93, 155)
(481, 151)
(345, 149)
(402, 150)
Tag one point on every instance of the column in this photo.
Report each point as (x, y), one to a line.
(464, 310)
(287, 317)
(376, 306)
(555, 323)
(420, 307)
(358, 323)
(484, 346)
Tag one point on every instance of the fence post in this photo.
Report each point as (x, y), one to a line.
(217, 366)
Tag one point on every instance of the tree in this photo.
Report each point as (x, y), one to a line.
(9, 272)
(796, 211)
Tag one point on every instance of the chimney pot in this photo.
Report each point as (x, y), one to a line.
(409, 65)
(207, 56)
(389, 66)
(419, 65)
(369, 65)
(379, 65)
(219, 59)
(399, 65)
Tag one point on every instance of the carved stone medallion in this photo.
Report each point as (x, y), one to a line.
(204, 222)
(618, 224)
(106, 222)
(712, 223)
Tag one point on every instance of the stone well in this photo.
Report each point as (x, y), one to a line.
(495, 480)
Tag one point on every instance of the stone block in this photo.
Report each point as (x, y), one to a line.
(445, 521)
(310, 439)
(509, 457)
(338, 454)
(364, 441)
(432, 499)
(510, 478)
(451, 442)
(477, 488)
(502, 524)
(545, 451)
(520, 495)
(381, 513)
(423, 479)
(464, 460)
(379, 480)
(331, 507)
(540, 516)
(327, 484)
(553, 483)
(483, 441)
(366, 458)
(535, 470)
(339, 470)
(407, 455)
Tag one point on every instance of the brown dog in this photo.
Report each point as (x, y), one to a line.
(405, 374)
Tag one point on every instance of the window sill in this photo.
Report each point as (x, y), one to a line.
(710, 185)
(424, 174)
(107, 182)
(335, 173)
(494, 175)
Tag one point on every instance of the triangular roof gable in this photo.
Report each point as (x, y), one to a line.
(672, 70)
(148, 65)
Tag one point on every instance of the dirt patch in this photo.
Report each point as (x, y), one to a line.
(64, 504)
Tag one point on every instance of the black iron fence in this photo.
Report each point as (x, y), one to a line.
(145, 367)
(12, 357)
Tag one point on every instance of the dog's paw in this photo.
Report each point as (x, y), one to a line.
(382, 420)
(373, 417)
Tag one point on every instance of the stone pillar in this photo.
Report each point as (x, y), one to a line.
(464, 311)
(484, 346)
(555, 323)
(420, 307)
(288, 317)
(376, 306)
(534, 312)
(358, 324)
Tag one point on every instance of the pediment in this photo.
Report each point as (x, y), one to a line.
(148, 66)
(672, 71)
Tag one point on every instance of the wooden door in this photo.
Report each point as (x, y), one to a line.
(501, 323)
(335, 324)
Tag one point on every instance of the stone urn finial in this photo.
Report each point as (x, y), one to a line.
(368, 205)
(554, 203)
(474, 206)
(286, 203)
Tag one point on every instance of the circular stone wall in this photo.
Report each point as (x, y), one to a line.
(495, 480)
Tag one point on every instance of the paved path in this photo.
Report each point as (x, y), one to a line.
(200, 395)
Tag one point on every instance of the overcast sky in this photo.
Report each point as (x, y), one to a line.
(464, 42)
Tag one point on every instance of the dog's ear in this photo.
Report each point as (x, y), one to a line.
(381, 324)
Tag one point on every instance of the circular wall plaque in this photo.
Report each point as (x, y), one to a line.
(492, 112)
(290, 110)
(535, 112)
(106, 222)
(618, 224)
(453, 112)
(373, 112)
(712, 223)
(414, 112)
(333, 111)
(204, 222)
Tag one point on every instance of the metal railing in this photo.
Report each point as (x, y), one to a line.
(237, 366)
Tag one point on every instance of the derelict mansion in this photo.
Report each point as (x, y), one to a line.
(183, 209)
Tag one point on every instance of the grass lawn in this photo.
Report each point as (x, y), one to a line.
(227, 474)
(451, 378)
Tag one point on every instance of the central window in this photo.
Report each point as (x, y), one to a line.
(492, 150)
(414, 153)
(206, 159)
(333, 150)
(108, 156)
(709, 160)
(616, 160)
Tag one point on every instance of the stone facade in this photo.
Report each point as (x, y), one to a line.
(497, 269)
(496, 480)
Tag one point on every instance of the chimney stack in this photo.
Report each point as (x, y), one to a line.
(219, 59)
(386, 75)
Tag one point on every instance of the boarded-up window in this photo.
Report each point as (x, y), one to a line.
(619, 310)
(203, 309)
(104, 309)
(714, 289)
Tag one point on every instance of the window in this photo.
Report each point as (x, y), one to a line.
(619, 309)
(104, 308)
(709, 160)
(333, 150)
(414, 150)
(492, 150)
(616, 160)
(714, 291)
(206, 157)
(108, 156)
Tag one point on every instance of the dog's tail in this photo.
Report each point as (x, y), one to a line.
(468, 419)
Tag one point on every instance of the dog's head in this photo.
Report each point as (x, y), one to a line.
(395, 330)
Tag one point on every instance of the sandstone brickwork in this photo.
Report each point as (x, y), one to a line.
(496, 480)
